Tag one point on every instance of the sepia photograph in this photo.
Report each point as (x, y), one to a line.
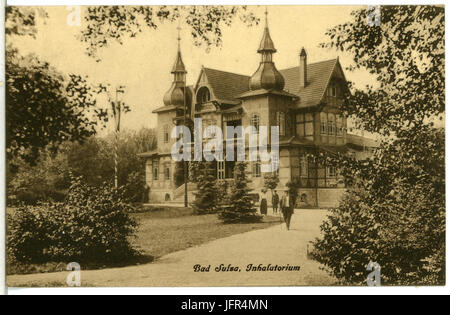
(225, 146)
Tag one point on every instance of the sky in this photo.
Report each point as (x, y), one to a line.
(143, 64)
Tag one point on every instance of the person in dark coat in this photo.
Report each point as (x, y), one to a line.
(275, 202)
(263, 205)
(287, 208)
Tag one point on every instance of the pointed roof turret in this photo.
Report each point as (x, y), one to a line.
(179, 64)
(266, 41)
(267, 76)
(176, 95)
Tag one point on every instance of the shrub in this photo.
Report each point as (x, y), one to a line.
(135, 189)
(240, 206)
(206, 195)
(92, 225)
(394, 215)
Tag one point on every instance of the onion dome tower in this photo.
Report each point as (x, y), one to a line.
(267, 76)
(175, 95)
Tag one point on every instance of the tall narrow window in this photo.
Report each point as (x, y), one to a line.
(155, 173)
(257, 168)
(255, 122)
(339, 126)
(333, 90)
(281, 122)
(331, 172)
(309, 126)
(275, 164)
(323, 123)
(221, 169)
(331, 124)
(300, 118)
(166, 134)
(167, 173)
(210, 131)
(304, 171)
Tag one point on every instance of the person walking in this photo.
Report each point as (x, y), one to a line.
(263, 207)
(275, 201)
(287, 208)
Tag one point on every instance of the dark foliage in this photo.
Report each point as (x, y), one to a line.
(394, 214)
(206, 195)
(239, 206)
(92, 225)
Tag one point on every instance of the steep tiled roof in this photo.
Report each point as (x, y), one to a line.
(227, 86)
(318, 78)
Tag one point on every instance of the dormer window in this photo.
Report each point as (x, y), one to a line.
(203, 95)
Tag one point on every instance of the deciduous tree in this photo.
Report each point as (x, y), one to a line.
(394, 213)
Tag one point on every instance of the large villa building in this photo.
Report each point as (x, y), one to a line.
(303, 101)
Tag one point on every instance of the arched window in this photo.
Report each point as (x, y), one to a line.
(203, 95)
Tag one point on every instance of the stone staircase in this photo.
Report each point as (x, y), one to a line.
(178, 195)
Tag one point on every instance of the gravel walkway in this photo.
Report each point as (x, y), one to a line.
(276, 246)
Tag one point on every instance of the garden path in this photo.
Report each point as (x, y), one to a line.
(275, 246)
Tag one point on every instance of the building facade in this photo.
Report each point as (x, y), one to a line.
(303, 101)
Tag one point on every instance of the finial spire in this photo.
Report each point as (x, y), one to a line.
(178, 95)
(266, 42)
(267, 18)
(179, 65)
(179, 36)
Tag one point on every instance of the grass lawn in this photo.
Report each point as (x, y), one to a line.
(162, 231)
(165, 231)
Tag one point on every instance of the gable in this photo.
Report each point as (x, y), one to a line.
(202, 80)
(319, 75)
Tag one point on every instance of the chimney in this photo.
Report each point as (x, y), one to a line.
(303, 68)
